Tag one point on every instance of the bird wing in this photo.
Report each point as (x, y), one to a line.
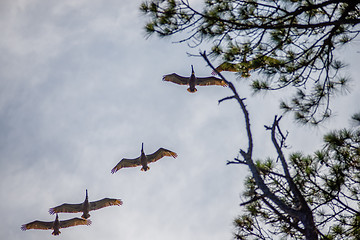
(260, 61)
(37, 225)
(106, 202)
(125, 162)
(243, 68)
(226, 66)
(176, 79)
(66, 208)
(205, 81)
(74, 222)
(161, 152)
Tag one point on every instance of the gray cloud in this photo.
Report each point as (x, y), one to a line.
(81, 88)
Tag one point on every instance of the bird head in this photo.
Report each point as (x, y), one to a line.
(86, 195)
(192, 70)
(142, 148)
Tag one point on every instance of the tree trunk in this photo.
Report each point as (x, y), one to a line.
(311, 232)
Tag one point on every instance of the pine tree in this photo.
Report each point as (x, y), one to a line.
(328, 181)
(288, 42)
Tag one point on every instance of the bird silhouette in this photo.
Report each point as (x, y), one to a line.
(143, 160)
(55, 225)
(193, 81)
(86, 206)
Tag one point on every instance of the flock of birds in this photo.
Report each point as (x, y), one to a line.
(84, 207)
(143, 160)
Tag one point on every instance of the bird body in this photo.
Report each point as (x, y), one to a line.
(86, 206)
(55, 225)
(193, 81)
(143, 160)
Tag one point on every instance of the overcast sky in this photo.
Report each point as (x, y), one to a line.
(80, 88)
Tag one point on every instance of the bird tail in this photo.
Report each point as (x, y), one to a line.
(192, 91)
(85, 216)
(56, 232)
(145, 168)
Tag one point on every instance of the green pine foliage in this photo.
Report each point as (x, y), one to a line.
(329, 180)
(290, 43)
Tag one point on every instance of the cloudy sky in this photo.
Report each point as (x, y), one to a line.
(80, 88)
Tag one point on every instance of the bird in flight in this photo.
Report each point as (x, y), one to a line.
(86, 206)
(143, 160)
(55, 225)
(193, 81)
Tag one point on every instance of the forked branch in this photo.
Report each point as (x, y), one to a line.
(302, 212)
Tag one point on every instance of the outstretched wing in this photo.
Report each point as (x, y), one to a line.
(66, 208)
(124, 163)
(206, 81)
(74, 222)
(260, 61)
(226, 66)
(37, 225)
(161, 152)
(176, 79)
(106, 202)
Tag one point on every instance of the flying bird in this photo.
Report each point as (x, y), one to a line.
(86, 206)
(55, 225)
(143, 160)
(192, 81)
